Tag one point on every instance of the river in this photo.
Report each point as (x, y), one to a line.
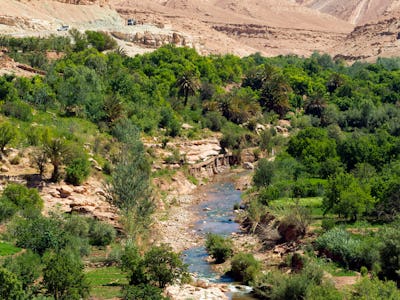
(216, 216)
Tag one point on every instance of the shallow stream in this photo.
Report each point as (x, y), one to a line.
(216, 216)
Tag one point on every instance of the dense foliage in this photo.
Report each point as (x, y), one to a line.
(91, 109)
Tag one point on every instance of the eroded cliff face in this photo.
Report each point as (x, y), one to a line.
(85, 2)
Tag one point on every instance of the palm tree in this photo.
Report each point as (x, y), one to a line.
(275, 91)
(56, 150)
(188, 85)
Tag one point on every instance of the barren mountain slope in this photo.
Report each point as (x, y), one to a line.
(354, 11)
(22, 16)
(271, 27)
(370, 41)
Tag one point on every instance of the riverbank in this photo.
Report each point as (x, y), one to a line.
(183, 226)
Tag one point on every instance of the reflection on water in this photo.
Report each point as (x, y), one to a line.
(216, 216)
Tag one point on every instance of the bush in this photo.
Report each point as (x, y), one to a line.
(7, 133)
(27, 267)
(214, 121)
(309, 187)
(245, 267)
(38, 234)
(17, 197)
(294, 223)
(323, 292)
(341, 246)
(10, 286)
(328, 224)
(18, 109)
(390, 252)
(375, 289)
(264, 173)
(100, 40)
(101, 234)
(63, 276)
(142, 292)
(278, 286)
(77, 171)
(163, 266)
(218, 247)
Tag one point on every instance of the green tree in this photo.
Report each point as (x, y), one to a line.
(218, 247)
(10, 286)
(275, 91)
(27, 267)
(56, 150)
(264, 173)
(187, 85)
(132, 263)
(142, 292)
(390, 252)
(21, 198)
(163, 266)
(346, 197)
(38, 234)
(129, 186)
(78, 170)
(63, 276)
(7, 133)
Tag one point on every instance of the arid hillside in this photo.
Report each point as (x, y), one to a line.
(354, 11)
(270, 27)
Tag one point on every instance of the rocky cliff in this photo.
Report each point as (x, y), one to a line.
(85, 2)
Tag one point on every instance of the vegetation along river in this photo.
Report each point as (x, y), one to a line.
(215, 216)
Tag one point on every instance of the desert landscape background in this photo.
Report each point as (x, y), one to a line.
(355, 29)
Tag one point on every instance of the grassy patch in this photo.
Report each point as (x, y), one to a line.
(106, 282)
(312, 203)
(334, 269)
(8, 249)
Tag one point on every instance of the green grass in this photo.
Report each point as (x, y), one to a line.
(8, 249)
(313, 203)
(334, 269)
(106, 282)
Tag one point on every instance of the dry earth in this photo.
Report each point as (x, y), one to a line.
(271, 27)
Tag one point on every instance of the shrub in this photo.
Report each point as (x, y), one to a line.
(101, 234)
(100, 40)
(264, 173)
(77, 225)
(323, 292)
(77, 170)
(390, 252)
(294, 223)
(10, 286)
(63, 276)
(27, 266)
(328, 224)
(17, 197)
(7, 133)
(17, 109)
(218, 247)
(375, 289)
(38, 234)
(163, 266)
(341, 246)
(278, 286)
(142, 292)
(245, 267)
(214, 121)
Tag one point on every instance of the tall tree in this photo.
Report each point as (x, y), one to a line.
(129, 186)
(187, 85)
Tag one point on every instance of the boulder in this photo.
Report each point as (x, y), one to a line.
(64, 191)
(4, 169)
(248, 166)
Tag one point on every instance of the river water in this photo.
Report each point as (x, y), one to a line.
(216, 216)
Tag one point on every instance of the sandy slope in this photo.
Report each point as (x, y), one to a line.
(354, 11)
